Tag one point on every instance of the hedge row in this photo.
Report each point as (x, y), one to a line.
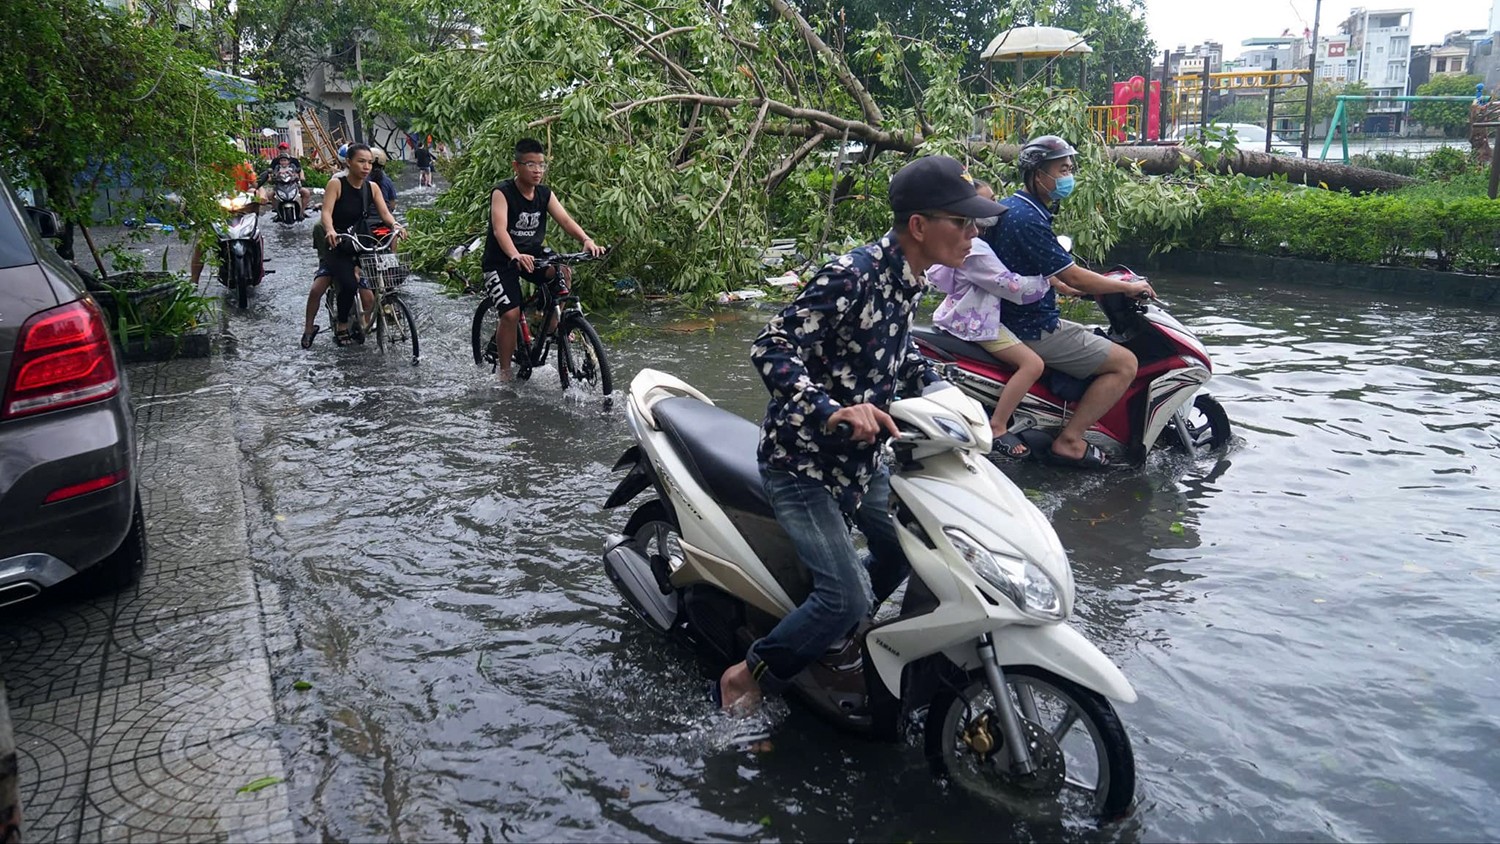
(1447, 234)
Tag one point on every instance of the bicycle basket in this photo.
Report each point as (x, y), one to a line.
(389, 267)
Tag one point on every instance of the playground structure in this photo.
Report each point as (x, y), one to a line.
(1340, 122)
(1191, 91)
(1122, 121)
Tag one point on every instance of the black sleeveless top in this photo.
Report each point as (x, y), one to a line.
(525, 222)
(350, 208)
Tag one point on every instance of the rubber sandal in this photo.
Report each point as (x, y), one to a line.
(1011, 446)
(1092, 458)
(342, 338)
(307, 337)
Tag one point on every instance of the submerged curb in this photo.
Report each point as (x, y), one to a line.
(1248, 266)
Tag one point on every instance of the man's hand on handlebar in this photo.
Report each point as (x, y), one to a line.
(1140, 290)
(865, 422)
(525, 263)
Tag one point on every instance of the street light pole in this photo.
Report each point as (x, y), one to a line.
(1312, 78)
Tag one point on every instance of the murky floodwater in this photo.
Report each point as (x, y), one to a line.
(1309, 619)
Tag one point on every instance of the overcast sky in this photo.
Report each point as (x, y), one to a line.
(1190, 22)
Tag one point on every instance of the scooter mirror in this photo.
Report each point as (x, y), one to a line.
(1065, 242)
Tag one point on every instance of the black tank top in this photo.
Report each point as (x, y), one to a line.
(350, 208)
(525, 222)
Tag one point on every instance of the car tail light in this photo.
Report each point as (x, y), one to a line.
(63, 358)
(63, 493)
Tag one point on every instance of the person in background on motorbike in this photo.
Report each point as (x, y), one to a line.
(243, 174)
(1023, 240)
(519, 208)
(283, 163)
(840, 352)
(344, 208)
(971, 311)
(424, 166)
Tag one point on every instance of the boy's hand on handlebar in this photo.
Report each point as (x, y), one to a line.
(524, 262)
(593, 248)
(332, 237)
(865, 422)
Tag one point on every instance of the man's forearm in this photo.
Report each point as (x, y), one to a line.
(1091, 282)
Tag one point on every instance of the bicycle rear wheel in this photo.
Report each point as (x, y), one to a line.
(581, 359)
(401, 326)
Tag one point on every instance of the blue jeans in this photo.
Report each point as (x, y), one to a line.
(844, 588)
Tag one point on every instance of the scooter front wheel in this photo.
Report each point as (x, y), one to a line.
(1084, 761)
(1207, 425)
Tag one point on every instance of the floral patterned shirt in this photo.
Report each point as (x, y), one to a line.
(844, 340)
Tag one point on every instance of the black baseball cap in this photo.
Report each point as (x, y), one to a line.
(938, 183)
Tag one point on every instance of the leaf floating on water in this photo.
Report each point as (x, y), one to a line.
(765, 820)
(1033, 494)
(302, 685)
(1177, 529)
(257, 785)
(1319, 601)
(280, 517)
(1415, 569)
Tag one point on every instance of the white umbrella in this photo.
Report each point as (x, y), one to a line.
(1035, 42)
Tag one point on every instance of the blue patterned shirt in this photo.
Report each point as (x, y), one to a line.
(1023, 240)
(845, 340)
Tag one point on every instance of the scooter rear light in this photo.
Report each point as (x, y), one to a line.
(63, 359)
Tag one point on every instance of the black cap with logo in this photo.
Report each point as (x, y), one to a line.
(938, 183)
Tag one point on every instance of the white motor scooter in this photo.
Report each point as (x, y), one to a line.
(1016, 700)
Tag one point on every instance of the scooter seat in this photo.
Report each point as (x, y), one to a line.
(719, 449)
(955, 346)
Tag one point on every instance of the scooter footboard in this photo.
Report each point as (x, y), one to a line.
(1057, 648)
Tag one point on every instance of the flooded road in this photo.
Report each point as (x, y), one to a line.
(1309, 618)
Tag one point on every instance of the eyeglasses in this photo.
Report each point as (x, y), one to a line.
(963, 222)
(534, 166)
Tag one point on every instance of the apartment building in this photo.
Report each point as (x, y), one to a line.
(1381, 42)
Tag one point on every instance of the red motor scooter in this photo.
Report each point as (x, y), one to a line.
(1159, 408)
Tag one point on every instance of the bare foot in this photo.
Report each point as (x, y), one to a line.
(506, 377)
(739, 694)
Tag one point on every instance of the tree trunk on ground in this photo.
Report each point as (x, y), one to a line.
(1159, 161)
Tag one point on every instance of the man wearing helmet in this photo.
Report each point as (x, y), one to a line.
(1024, 241)
(283, 166)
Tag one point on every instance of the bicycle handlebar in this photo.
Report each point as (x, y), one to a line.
(362, 241)
(567, 258)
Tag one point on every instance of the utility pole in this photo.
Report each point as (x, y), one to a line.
(1312, 78)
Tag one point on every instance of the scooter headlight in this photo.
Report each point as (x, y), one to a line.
(1024, 582)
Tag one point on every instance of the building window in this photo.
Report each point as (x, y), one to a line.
(1442, 66)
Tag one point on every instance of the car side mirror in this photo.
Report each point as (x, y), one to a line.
(48, 223)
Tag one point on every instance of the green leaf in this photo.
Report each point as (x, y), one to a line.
(256, 785)
(302, 685)
(1177, 529)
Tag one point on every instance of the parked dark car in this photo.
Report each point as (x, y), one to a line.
(70, 510)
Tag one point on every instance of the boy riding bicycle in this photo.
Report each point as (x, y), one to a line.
(519, 208)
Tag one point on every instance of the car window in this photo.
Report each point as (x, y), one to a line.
(15, 249)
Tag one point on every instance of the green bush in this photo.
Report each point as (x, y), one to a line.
(1447, 230)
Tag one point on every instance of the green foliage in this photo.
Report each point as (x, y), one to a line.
(1397, 229)
(1452, 117)
(1324, 103)
(688, 211)
(92, 91)
(147, 305)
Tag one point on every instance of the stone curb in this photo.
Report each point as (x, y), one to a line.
(10, 792)
(1248, 266)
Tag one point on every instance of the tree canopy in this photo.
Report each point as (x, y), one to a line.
(1452, 117)
(96, 93)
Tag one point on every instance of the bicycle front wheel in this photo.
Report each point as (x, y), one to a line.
(581, 359)
(401, 326)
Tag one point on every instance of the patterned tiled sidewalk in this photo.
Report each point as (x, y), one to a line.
(141, 716)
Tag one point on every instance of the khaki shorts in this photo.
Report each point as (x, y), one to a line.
(999, 344)
(1072, 348)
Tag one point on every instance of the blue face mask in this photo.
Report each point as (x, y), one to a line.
(1062, 188)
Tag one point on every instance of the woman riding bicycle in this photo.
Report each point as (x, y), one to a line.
(346, 202)
(519, 208)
